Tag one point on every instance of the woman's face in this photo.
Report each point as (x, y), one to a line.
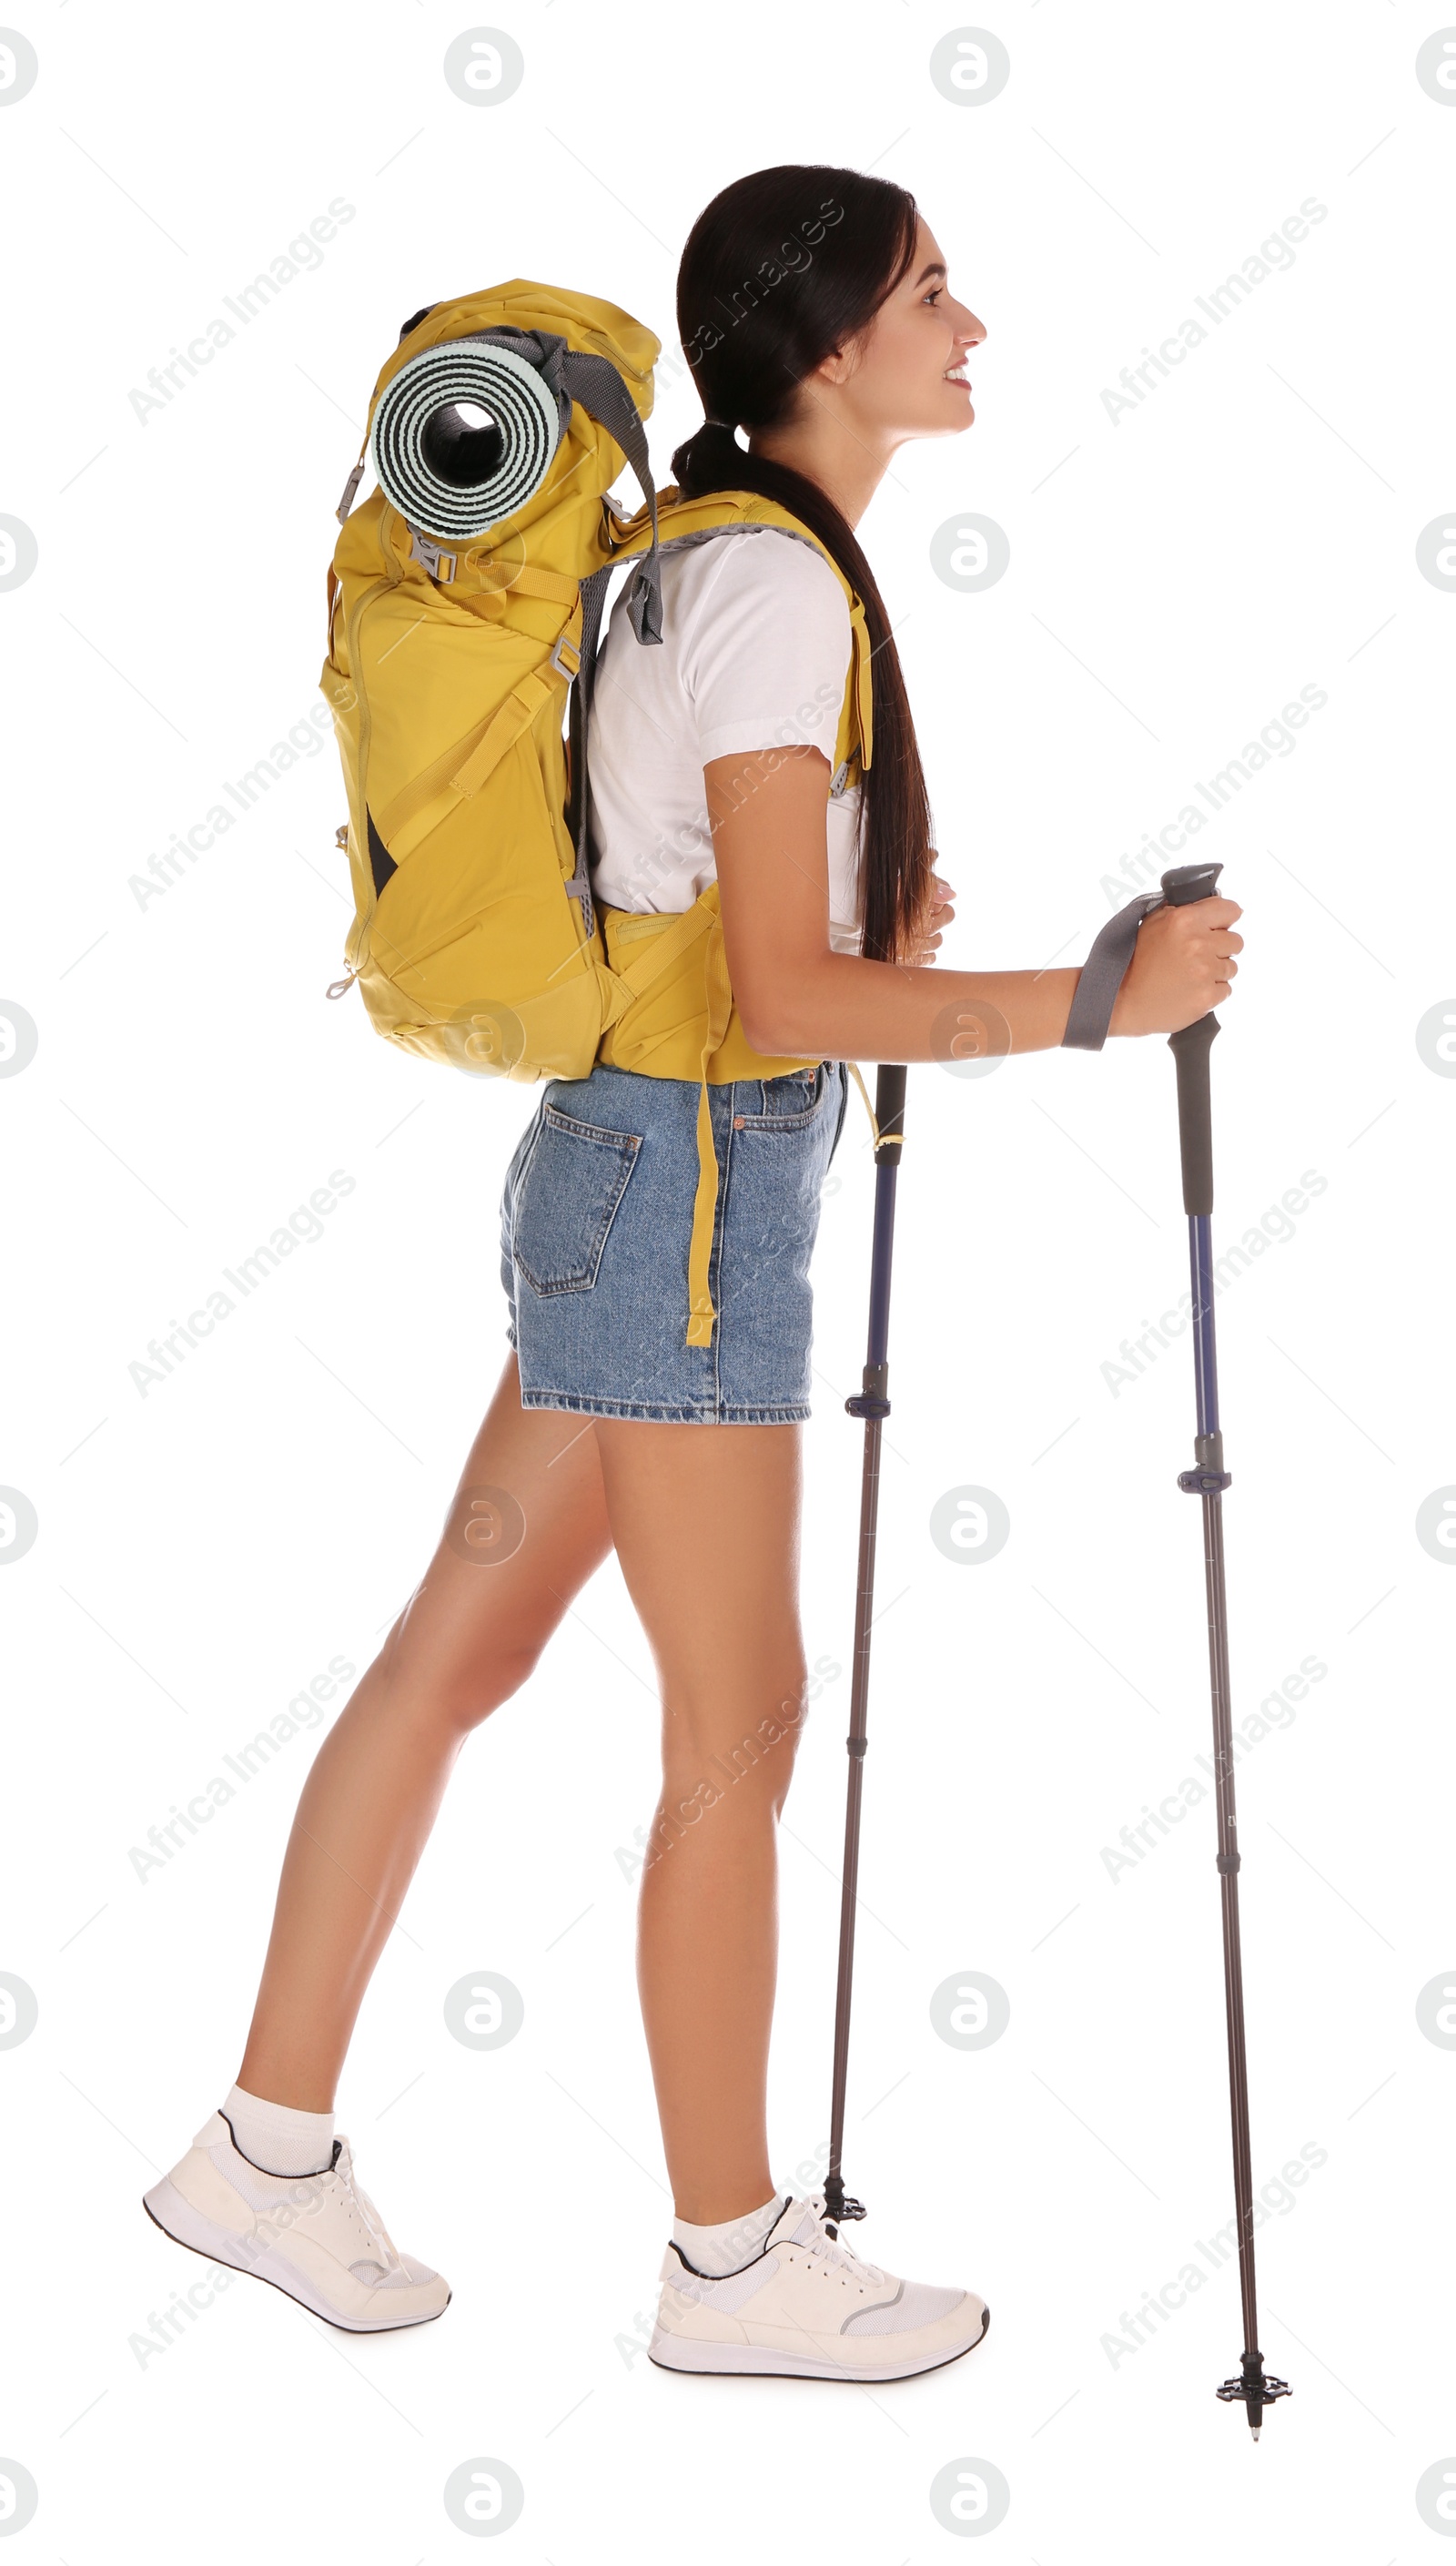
(904, 377)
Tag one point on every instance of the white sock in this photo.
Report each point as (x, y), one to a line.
(277, 2139)
(719, 2250)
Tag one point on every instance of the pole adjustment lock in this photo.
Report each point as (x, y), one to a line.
(838, 2204)
(865, 1403)
(1227, 1862)
(1204, 1484)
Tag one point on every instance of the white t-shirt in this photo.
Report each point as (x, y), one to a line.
(755, 653)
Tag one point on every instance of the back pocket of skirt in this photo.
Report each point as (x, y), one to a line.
(574, 1179)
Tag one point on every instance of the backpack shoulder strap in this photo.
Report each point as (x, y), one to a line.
(680, 521)
(671, 525)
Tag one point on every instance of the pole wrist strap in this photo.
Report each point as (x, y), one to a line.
(1102, 974)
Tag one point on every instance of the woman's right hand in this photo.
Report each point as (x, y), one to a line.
(1182, 964)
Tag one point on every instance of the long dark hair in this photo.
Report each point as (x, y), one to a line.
(782, 267)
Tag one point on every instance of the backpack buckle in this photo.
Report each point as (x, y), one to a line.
(565, 659)
(439, 563)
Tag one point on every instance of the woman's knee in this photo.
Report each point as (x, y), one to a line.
(472, 1692)
(456, 1689)
(706, 1755)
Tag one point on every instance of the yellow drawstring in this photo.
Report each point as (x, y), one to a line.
(718, 1001)
(893, 1140)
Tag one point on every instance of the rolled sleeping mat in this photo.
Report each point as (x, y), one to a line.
(462, 435)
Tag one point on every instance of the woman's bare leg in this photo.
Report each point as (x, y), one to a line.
(705, 1521)
(467, 1639)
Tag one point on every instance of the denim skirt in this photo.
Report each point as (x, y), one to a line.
(596, 1221)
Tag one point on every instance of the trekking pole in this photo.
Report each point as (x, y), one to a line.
(872, 1404)
(1208, 1480)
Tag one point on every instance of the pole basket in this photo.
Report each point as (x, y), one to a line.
(1255, 2389)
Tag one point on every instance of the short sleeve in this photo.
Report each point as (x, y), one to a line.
(766, 661)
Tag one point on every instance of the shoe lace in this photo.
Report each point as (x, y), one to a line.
(822, 2247)
(370, 2217)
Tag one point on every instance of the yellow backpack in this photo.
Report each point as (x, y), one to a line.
(465, 595)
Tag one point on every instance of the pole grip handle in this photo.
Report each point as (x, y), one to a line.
(1187, 882)
(889, 1110)
(1190, 1048)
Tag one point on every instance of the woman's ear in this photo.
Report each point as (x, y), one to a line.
(839, 364)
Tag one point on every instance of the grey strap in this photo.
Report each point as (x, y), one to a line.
(350, 488)
(1102, 974)
(596, 384)
(594, 598)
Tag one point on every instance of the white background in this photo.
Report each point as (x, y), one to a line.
(204, 1550)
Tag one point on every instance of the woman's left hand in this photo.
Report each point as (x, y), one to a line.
(939, 917)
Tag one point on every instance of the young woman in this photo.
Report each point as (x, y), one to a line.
(816, 314)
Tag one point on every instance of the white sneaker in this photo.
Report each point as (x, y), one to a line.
(807, 2308)
(315, 2235)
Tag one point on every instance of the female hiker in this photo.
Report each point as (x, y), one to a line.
(818, 317)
